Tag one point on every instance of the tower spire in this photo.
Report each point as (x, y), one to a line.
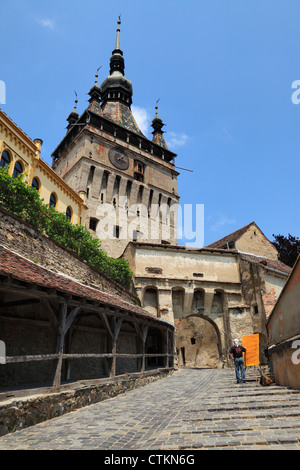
(117, 63)
(116, 87)
(95, 92)
(117, 47)
(73, 116)
(157, 125)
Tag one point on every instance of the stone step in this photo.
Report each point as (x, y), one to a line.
(265, 438)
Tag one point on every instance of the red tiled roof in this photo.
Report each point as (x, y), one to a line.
(268, 263)
(25, 270)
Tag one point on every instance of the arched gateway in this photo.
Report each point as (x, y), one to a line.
(198, 341)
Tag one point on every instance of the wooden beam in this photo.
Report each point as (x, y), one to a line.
(17, 303)
(116, 332)
(138, 330)
(51, 357)
(60, 344)
(106, 322)
(144, 338)
(167, 346)
(51, 315)
(71, 318)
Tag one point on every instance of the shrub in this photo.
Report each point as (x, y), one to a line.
(17, 197)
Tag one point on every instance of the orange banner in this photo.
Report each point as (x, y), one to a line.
(251, 343)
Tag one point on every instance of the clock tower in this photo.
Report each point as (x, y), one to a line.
(128, 182)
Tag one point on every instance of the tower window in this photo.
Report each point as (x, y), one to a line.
(128, 189)
(104, 180)
(117, 231)
(93, 224)
(138, 171)
(140, 195)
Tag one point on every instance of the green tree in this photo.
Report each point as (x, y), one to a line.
(288, 248)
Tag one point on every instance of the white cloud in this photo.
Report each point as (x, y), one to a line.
(226, 135)
(221, 221)
(46, 23)
(175, 139)
(144, 120)
(142, 117)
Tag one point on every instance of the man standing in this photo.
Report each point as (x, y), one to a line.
(236, 353)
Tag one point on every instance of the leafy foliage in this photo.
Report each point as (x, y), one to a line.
(288, 248)
(17, 197)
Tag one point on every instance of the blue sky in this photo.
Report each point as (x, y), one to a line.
(222, 69)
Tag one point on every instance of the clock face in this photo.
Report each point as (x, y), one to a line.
(118, 158)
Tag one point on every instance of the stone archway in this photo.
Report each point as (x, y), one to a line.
(198, 342)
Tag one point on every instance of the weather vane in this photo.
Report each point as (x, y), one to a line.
(156, 105)
(96, 75)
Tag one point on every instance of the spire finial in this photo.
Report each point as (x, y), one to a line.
(76, 101)
(156, 108)
(118, 35)
(96, 75)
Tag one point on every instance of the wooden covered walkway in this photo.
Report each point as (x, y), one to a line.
(54, 326)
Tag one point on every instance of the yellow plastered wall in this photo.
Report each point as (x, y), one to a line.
(21, 148)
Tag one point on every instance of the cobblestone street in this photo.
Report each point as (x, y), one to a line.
(193, 409)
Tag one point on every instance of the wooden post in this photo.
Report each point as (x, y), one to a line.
(60, 344)
(114, 345)
(167, 348)
(144, 339)
(109, 339)
(143, 336)
(64, 323)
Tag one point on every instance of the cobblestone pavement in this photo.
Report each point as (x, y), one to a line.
(193, 409)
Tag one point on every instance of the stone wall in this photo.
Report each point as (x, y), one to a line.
(23, 239)
(17, 414)
(254, 241)
(215, 285)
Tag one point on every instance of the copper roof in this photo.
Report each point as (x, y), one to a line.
(121, 114)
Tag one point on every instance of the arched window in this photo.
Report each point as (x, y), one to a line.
(69, 213)
(18, 170)
(53, 201)
(35, 184)
(198, 301)
(150, 302)
(5, 159)
(178, 302)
